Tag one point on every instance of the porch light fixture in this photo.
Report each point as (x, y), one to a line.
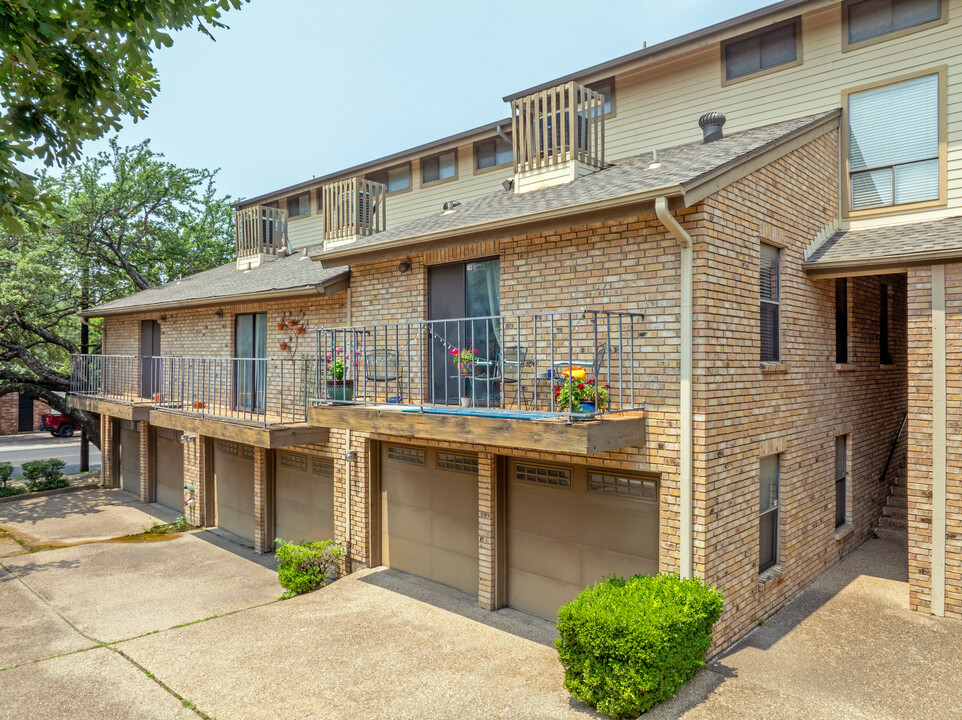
(218, 313)
(404, 266)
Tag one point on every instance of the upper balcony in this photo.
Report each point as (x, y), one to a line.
(559, 135)
(566, 381)
(352, 208)
(261, 234)
(257, 401)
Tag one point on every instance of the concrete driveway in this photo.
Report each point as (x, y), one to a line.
(152, 630)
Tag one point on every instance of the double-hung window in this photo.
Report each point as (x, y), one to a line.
(396, 178)
(762, 50)
(893, 144)
(768, 470)
(492, 152)
(299, 205)
(769, 302)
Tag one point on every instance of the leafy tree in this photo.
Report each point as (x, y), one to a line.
(72, 71)
(130, 221)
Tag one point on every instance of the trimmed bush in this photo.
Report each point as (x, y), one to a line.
(304, 567)
(8, 490)
(44, 474)
(6, 472)
(626, 645)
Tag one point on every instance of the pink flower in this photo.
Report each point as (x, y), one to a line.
(357, 352)
(475, 352)
(339, 350)
(328, 356)
(453, 352)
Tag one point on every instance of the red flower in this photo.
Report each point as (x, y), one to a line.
(591, 382)
(581, 386)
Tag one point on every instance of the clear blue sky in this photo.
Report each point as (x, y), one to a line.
(298, 88)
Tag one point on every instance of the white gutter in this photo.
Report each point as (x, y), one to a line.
(686, 443)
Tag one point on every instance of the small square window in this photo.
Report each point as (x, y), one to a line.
(299, 205)
(396, 178)
(606, 88)
(439, 167)
(763, 50)
(869, 19)
(493, 152)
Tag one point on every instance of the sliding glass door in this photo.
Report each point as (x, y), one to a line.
(250, 364)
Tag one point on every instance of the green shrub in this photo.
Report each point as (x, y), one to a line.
(304, 567)
(6, 472)
(44, 474)
(8, 490)
(626, 645)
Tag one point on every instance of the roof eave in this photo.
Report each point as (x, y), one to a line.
(331, 286)
(857, 267)
(457, 236)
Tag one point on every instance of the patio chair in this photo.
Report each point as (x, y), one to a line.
(511, 361)
(383, 366)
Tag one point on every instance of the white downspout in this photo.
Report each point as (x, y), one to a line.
(685, 568)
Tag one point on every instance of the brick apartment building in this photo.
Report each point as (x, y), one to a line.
(771, 303)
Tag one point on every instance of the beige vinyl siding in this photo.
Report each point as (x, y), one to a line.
(660, 106)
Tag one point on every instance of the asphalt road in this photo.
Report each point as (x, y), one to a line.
(19, 448)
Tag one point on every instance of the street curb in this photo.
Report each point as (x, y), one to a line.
(44, 493)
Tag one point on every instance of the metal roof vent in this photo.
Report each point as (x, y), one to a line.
(711, 125)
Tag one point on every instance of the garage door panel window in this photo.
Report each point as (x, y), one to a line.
(324, 468)
(545, 475)
(405, 454)
(227, 447)
(623, 486)
(294, 462)
(457, 463)
(247, 452)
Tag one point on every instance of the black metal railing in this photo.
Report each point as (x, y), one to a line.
(581, 363)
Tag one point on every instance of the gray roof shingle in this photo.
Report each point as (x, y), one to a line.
(681, 166)
(889, 244)
(283, 274)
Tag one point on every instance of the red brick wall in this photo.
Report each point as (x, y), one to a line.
(10, 413)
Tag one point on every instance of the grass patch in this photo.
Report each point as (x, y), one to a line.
(157, 532)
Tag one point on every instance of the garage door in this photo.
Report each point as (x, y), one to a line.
(169, 470)
(129, 457)
(234, 488)
(429, 514)
(569, 526)
(304, 497)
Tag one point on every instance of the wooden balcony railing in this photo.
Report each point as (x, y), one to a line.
(261, 229)
(577, 364)
(353, 207)
(554, 126)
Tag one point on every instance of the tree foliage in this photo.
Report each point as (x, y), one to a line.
(72, 71)
(130, 220)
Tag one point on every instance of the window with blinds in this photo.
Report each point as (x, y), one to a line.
(768, 469)
(299, 205)
(841, 479)
(439, 167)
(767, 49)
(396, 178)
(841, 320)
(491, 153)
(769, 302)
(893, 148)
(873, 18)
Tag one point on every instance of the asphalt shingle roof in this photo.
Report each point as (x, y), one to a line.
(283, 274)
(682, 165)
(889, 243)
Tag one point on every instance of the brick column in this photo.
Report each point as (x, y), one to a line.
(263, 480)
(488, 570)
(107, 451)
(146, 462)
(195, 477)
(360, 509)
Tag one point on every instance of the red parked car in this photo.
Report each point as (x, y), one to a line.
(58, 425)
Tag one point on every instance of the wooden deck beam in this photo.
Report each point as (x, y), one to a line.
(112, 408)
(270, 436)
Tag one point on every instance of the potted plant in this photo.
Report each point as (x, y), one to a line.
(280, 327)
(464, 358)
(339, 388)
(282, 345)
(298, 329)
(580, 396)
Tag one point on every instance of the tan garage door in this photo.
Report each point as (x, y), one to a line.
(429, 514)
(169, 470)
(304, 497)
(234, 488)
(129, 457)
(569, 526)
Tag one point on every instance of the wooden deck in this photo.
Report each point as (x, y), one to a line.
(586, 437)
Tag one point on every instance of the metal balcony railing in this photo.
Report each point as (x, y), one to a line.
(579, 364)
(253, 390)
(109, 377)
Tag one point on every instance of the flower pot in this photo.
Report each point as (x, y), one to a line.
(291, 322)
(465, 402)
(587, 407)
(197, 404)
(298, 330)
(281, 326)
(282, 346)
(467, 370)
(340, 390)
